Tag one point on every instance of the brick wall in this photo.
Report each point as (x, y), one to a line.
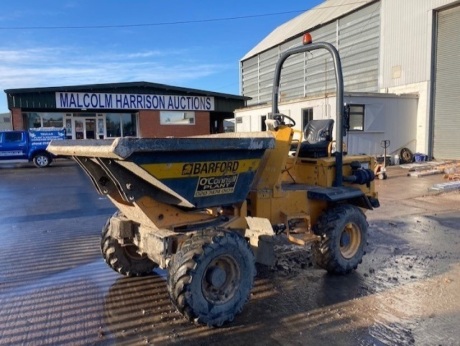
(149, 125)
(17, 121)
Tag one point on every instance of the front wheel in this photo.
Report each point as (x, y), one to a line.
(211, 276)
(343, 231)
(42, 160)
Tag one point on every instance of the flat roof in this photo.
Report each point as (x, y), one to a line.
(44, 98)
(124, 85)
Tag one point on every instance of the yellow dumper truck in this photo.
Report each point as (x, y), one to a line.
(206, 208)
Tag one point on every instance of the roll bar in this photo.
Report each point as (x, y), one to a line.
(339, 96)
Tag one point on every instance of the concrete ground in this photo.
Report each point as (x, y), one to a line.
(56, 290)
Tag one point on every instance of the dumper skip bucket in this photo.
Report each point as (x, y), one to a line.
(192, 172)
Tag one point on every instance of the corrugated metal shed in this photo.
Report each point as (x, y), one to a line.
(447, 86)
(319, 15)
(357, 37)
(406, 41)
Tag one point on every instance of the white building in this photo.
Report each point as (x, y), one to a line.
(399, 64)
(5, 121)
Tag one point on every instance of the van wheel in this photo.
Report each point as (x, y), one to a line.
(42, 160)
(343, 231)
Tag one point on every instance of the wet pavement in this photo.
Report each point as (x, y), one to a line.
(55, 289)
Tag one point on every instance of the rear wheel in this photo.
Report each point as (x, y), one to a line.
(42, 160)
(343, 231)
(211, 276)
(124, 259)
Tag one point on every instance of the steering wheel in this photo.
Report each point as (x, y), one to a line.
(291, 121)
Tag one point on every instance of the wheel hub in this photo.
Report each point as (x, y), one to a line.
(350, 240)
(345, 239)
(42, 161)
(216, 277)
(220, 281)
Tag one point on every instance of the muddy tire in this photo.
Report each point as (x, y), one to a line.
(42, 160)
(124, 259)
(211, 276)
(343, 231)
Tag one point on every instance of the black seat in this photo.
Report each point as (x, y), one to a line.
(318, 135)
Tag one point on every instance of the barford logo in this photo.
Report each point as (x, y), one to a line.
(210, 167)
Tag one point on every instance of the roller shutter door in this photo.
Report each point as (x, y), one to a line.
(446, 141)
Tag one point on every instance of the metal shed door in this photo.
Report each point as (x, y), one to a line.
(446, 139)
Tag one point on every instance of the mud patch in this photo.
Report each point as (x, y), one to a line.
(291, 259)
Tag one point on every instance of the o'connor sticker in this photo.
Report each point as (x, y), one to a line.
(211, 186)
(208, 183)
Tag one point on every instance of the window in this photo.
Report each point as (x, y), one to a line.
(263, 126)
(121, 125)
(229, 125)
(33, 120)
(13, 137)
(113, 125)
(52, 120)
(356, 117)
(307, 115)
(177, 118)
(128, 122)
(36, 120)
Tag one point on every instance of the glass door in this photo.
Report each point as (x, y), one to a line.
(85, 128)
(90, 128)
(79, 127)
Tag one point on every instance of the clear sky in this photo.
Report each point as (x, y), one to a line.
(196, 44)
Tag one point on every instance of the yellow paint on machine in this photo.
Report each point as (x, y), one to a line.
(200, 169)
